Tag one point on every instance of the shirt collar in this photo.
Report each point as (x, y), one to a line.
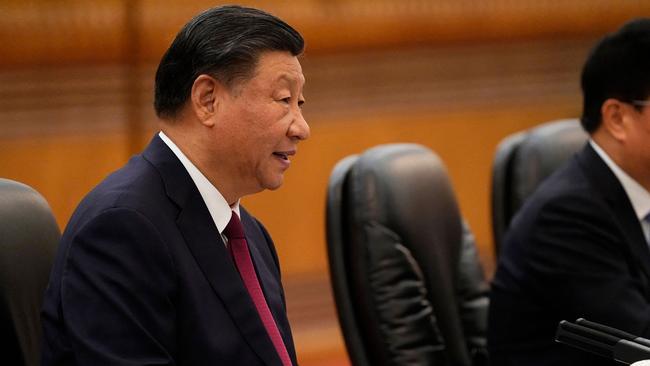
(639, 196)
(217, 205)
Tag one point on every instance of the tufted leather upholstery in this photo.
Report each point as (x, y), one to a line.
(523, 160)
(28, 239)
(407, 282)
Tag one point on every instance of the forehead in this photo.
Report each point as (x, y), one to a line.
(275, 66)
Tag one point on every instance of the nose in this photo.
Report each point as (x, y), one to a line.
(299, 128)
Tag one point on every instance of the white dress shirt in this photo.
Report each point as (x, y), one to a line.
(219, 209)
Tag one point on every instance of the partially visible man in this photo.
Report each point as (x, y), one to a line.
(159, 264)
(579, 247)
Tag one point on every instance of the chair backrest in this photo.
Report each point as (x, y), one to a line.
(336, 216)
(407, 282)
(523, 160)
(28, 239)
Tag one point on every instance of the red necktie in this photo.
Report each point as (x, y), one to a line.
(239, 250)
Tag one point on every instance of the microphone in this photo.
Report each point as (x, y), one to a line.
(603, 340)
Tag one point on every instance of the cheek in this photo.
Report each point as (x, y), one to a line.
(264, 118)
(283, 121)
(273, 128)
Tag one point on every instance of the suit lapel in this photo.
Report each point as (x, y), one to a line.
(269, 279)
(611, 189)
(209, 251)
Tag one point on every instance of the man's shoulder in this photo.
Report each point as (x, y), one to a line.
(568, 183)
(137, 179)
(569, 194)
(584, 178)
(136, 186)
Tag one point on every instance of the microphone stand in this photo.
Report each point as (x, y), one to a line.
(603, 340)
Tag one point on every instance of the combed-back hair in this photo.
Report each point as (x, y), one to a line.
(618, 67)
(224, 42)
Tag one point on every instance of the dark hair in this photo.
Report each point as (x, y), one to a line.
(224, 42)
(618, 67)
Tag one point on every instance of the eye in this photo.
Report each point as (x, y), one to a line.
(301, 103)
(286, 100)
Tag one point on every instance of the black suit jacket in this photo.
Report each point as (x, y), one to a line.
(142, 277)
(576, 249)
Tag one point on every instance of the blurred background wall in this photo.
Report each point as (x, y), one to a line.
(76, 80)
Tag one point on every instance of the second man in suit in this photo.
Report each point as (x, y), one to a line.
(578, 248)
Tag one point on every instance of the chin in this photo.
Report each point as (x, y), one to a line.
(273, 184)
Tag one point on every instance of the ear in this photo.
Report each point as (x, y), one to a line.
(615, 117)
(204, 98)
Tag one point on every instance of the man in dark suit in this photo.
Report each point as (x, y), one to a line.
(159, 265)
(578, 247)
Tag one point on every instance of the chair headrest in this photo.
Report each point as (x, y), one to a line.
(544, 150)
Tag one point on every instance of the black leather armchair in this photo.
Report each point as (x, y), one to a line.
(28, 238)
(522, 161)
(407, 282)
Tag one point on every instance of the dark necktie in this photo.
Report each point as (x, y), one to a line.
(240, 254)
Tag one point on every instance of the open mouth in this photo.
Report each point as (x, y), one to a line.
(281, 155)
(284, 155)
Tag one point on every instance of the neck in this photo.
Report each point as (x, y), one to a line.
(207, 160)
